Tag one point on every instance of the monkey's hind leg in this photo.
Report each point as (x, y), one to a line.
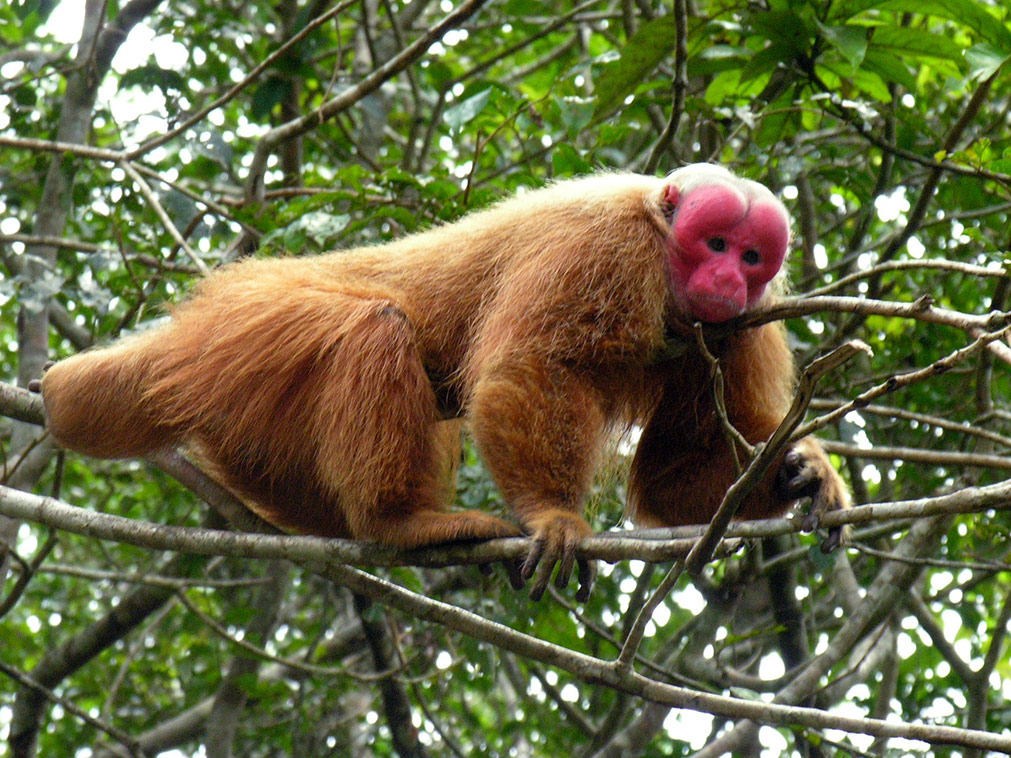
(380, 444)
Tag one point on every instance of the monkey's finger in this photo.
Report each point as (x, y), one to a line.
(565, 566)
(836, 536)
(795, 479)
(804, 484)
(790, 466)
(514, 570)
(587, 576)
(793, 460)
(541, 578)
(810, 522)
(533, 558)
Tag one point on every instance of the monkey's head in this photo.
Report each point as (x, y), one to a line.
(727, 241)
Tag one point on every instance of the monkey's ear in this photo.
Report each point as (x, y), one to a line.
(671, 197)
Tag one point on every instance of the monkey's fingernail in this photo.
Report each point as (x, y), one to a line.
(562, 580)
(810, 523)
(35, 385)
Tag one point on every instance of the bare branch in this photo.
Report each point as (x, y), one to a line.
(679, 86)
(920, 455)
(170, 227)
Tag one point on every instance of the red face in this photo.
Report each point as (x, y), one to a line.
(724, 248)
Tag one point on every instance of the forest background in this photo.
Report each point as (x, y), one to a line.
(145, 142)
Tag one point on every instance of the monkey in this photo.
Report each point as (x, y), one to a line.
(316, 388)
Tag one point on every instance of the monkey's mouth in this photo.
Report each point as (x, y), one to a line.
(714, 308)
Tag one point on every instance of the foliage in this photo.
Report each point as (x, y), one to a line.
(884, 125)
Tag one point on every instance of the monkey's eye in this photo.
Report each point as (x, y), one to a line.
(751, 257)
(717, 244)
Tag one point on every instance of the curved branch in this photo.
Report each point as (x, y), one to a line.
(883, 268)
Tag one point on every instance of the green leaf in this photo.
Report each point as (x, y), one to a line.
(465, 111)
(764, 62)
(784, 28)
(267, 96)
(1000, 166)
(915, 43)
(971, 13)
(873, 84)
(889, 68)
(639, 56)
(985, 60)
(850, 41)
(779, 122)
(717, 58)
(576, 113)
(567, 161)
(151, 76)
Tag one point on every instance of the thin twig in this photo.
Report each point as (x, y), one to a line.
(117, 734)
(679, 86)
(156, 206)
(734, 437)
(901, 381)
(767, 454)
(919, 455)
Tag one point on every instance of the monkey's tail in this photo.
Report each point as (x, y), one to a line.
(95, 401)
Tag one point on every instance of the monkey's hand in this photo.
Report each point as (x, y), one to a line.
(807, 472)
(556, 534)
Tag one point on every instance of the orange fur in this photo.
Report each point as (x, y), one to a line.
(314, 387)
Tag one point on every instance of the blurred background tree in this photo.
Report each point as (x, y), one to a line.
(194, 133)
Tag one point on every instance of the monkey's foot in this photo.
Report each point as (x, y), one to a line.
(556, 535)
(35, 385)
(807, 472)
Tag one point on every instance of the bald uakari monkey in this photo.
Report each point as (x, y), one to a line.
(314, 388)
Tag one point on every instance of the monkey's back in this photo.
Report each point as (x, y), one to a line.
(581, 259)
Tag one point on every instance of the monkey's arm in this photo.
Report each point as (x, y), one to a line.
(684, 463)
(540, 429)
